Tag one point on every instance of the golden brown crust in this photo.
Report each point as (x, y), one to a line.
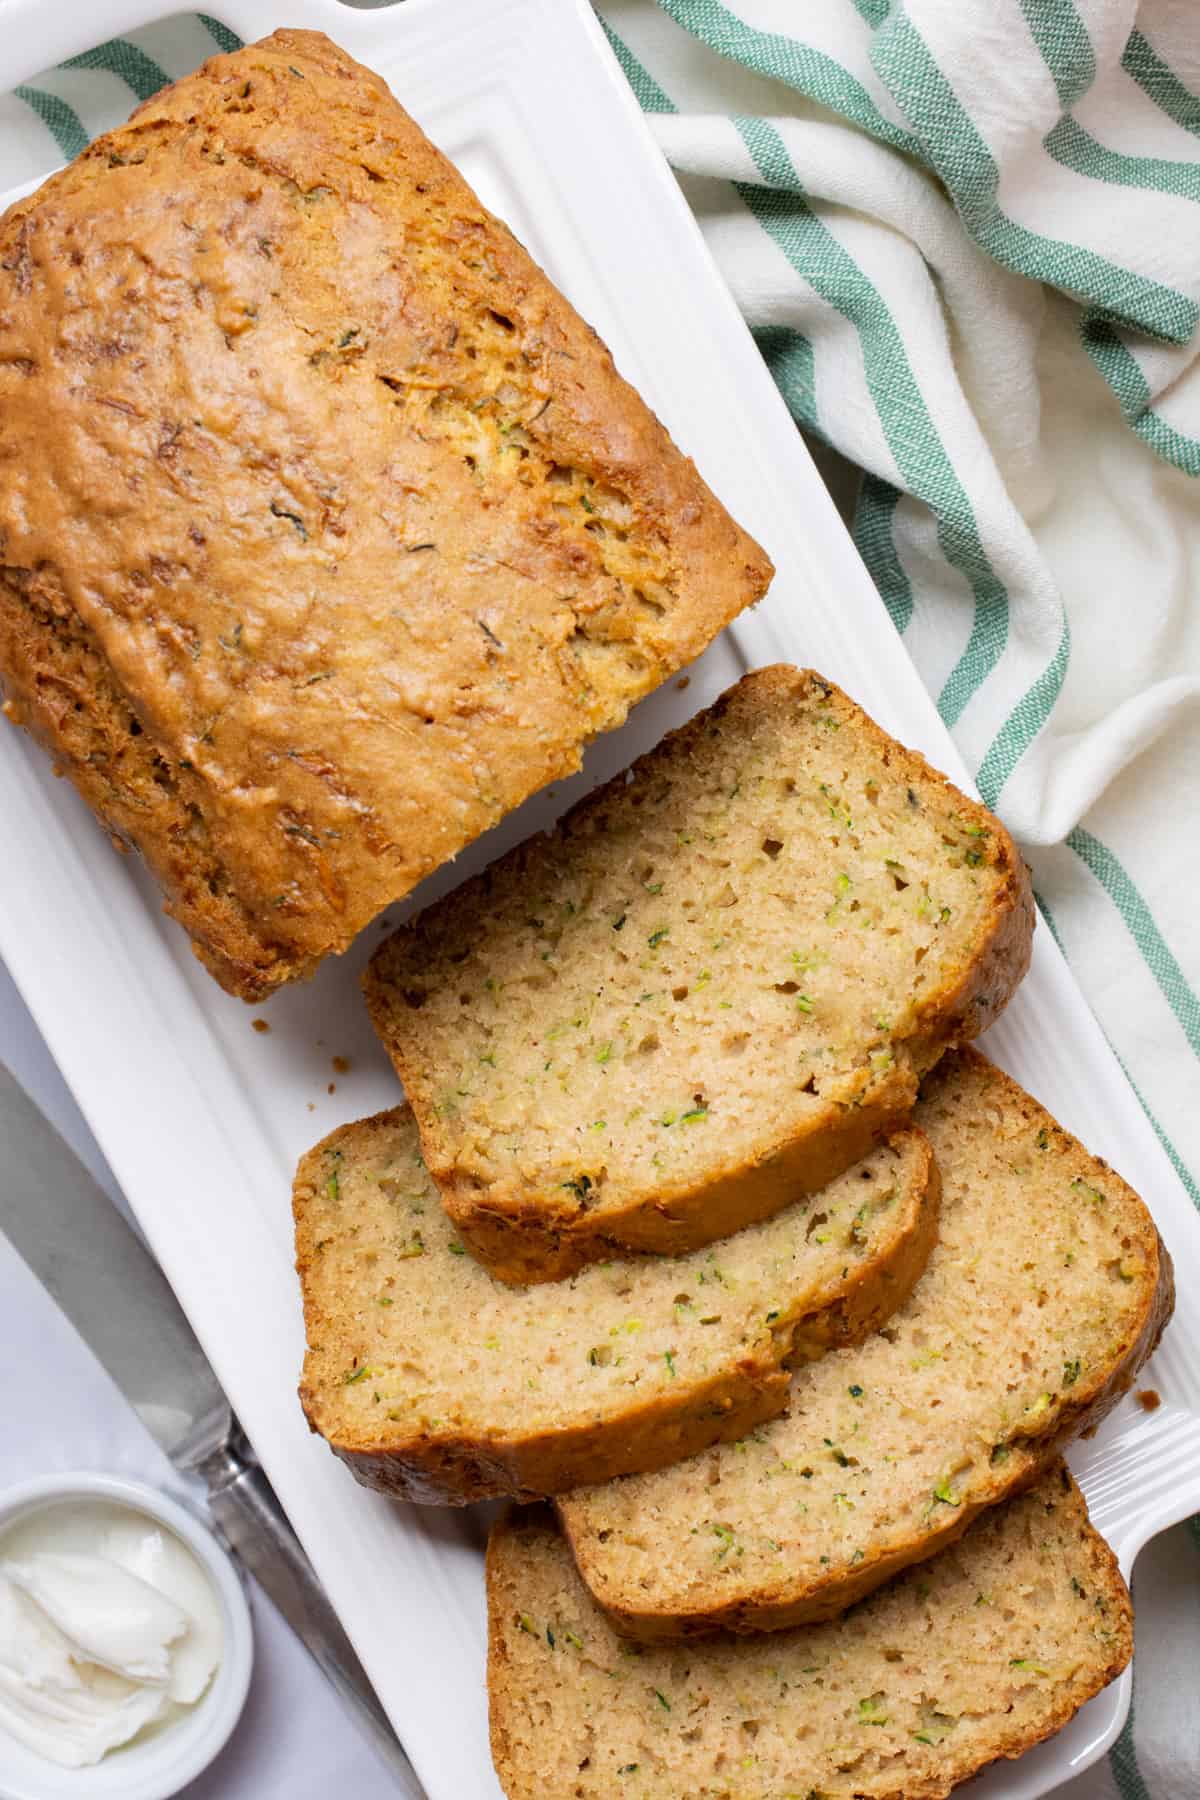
(523, 1231)
(448, 1468)
(328, 531)
(778, 1611)
(500, 1680)
(1031, 1451)
(508, 1231)
(457, 1472)
(993, 1737)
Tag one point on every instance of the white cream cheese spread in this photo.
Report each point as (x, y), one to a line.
(108, 1627)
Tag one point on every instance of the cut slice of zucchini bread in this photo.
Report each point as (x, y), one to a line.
(1046, 1292)
(436, 1382)
(977, 1655)
(715, 985)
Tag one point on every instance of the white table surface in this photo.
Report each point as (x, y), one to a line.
(61, 1411)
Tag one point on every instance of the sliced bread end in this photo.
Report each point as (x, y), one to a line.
(977, 1655)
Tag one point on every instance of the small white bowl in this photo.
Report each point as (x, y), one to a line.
(167, 1760)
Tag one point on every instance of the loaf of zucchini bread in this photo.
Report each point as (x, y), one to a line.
(434, 1381)
(714, 986)
(328, 531)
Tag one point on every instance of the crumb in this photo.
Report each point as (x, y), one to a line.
(312, 1106)
(332, 1088)
(685, 681)
(340, 1065)
(1149, 1399)
(259, 1025)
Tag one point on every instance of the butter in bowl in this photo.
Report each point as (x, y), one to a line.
(125, 1641)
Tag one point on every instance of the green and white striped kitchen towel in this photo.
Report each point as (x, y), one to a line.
(967, 239)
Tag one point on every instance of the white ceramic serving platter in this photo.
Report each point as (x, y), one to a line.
(202, 1118)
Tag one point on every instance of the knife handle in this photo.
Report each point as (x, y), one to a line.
(254, 1525)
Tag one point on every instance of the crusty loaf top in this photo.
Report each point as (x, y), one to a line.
(327, 529)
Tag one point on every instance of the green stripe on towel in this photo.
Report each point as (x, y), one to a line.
(137, 70)
(650, 97)
(965, 164)
(1061, 36)
(1159, 957)
(876, 544)
(789, 357)
(61, 120)
(817, 255)
(1147, 68)
(797, 65)
(1123, 1761)
(1120, 369)
(1023, 723)
(1076, 149)
(221, 35)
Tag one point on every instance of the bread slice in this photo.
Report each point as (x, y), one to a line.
(438, 1383)
(976, 1655)
(1047, 1290)
(329, 530)
(712, 987)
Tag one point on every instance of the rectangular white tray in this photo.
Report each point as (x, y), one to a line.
(202, 1119)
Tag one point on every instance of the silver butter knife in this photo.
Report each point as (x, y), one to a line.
(105, 1280)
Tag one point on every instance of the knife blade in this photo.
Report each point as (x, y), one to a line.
(97, 1269)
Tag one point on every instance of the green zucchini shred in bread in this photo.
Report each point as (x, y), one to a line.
(979, 1654)
(434, 1381)
(1046, 1292)
(713, 986)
